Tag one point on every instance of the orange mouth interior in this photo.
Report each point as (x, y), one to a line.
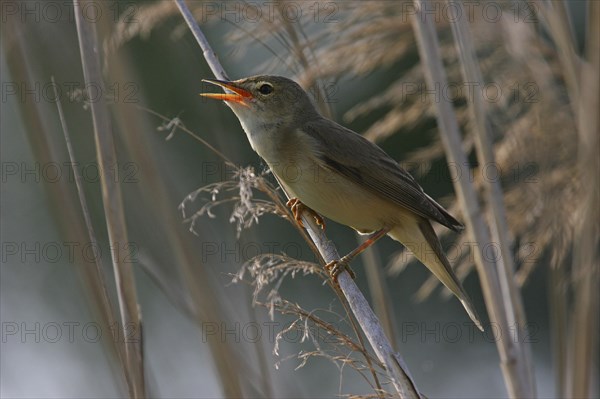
(239, 95)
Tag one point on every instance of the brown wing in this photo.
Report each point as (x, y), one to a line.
(361, 161)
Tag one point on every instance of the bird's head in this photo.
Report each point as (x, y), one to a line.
(265, 100)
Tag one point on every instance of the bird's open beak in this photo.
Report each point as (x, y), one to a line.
(239, 95)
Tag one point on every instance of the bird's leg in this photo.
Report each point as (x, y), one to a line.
(298, 208)
(337, 266)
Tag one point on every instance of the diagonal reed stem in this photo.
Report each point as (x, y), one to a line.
(394, 364)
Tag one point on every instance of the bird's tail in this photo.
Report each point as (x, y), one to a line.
(420, 238)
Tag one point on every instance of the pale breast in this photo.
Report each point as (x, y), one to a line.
(292, 158)
(334, 196)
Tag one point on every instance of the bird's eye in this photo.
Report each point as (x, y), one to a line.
(265, 89)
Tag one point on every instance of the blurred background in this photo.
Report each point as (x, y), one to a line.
(208, 329)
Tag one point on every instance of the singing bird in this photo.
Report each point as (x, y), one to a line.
(339, 174)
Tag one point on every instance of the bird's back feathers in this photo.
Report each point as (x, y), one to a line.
(373, 169)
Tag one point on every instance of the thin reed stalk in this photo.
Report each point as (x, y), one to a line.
(577, 339)
(585, 327)
(482, 132)
(512, 361)
(131, 327)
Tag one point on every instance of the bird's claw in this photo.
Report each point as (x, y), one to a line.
(298, 208)
(336, 267)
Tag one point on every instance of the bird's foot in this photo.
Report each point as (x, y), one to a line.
(298, 208)
(336, 267)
